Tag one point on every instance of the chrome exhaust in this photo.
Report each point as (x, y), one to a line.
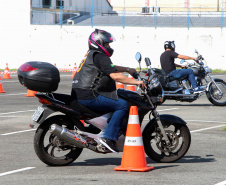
(68, 136)
(180, 95)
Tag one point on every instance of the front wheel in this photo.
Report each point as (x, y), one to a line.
(214, 95)
(52, 150)
(155, 146)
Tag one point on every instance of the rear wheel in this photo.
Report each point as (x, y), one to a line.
(156, 147)
(52, 150)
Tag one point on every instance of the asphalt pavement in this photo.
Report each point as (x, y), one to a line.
(204, 163)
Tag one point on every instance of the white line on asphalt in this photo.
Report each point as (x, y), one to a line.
(14, 116)
(168, 109)
(10, 133)
(9, 81)
(16, 112)
(221, 183)
(13, 94)
(16, 171)
(206, 121)
(207, 128)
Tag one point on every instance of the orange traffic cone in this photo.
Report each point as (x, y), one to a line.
(120, 85)
(130, 87)
(133, 157)
(74, 71)
(30, 93)
(1, 88)
(6, 73)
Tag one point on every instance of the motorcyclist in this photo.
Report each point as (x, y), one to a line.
(167, 60)
(94, 84)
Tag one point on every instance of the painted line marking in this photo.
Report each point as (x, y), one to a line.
(221, 183)
(16, 112)
(206, 121)
(9, 81)
(206, 128)
(16, 171)
(168, 109)
(14, 116)
(13, 94)
(11, 133)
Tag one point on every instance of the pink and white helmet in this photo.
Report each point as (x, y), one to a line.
(98, 38)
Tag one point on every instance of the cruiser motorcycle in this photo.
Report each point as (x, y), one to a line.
(181, 89)
(61, 136)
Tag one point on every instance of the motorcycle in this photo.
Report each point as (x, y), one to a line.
(61, 136)
(181, 89)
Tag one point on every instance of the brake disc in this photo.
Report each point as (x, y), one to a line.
(173, 138)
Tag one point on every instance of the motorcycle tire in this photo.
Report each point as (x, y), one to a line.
(214, 98)
(47, 145)
(156, 148)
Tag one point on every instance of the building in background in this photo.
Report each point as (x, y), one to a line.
(66, 11)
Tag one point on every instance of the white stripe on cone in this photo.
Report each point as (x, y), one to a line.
(133, 119)
(133, 141)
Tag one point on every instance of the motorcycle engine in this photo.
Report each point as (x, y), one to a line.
(186, 91)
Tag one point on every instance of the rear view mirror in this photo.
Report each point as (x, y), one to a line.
(148, 62)
(196, 51)
(138, 57)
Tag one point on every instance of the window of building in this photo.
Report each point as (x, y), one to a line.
(59, 3)
(46, 3)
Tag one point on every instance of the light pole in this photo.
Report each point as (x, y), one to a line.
(218, 5)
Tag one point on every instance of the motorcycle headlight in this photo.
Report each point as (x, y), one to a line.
(207, 69)
(153, 83)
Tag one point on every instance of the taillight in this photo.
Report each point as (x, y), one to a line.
(44, 101)
(27, 67)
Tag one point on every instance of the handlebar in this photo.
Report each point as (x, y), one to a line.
(137, 76)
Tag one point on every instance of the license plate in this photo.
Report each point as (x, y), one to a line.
(37, 114)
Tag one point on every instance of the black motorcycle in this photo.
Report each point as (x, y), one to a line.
(61, 136)
(181, 89)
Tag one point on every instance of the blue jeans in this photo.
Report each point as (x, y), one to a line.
(120, 108)
(180, 73)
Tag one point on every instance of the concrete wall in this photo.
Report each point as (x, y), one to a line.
(67, 45)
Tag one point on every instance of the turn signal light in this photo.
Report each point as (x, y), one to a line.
(44, 101)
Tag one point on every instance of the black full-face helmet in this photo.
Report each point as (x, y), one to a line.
(169, 45)
(98, 38)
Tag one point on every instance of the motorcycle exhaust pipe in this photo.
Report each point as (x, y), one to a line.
(68, 136)
(180, 95)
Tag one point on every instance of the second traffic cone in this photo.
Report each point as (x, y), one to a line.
(130, 87)
(6, 73)
(133, 157)
(30, 93)
(120, 85)
(74, 71)
(1, 88)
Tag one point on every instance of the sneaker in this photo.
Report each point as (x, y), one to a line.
(110, 144)
(197, 90)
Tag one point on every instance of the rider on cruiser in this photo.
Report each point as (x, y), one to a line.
(167, 60)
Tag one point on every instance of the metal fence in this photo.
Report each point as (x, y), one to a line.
(130, 16)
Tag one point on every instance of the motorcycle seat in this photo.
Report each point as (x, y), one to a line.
(73, 103)
(170, 78)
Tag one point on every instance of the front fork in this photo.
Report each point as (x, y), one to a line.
(215, 84)
(157, 117)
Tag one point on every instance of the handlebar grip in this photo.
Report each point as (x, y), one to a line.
(135, 75)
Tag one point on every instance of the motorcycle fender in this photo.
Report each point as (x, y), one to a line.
(165, 118)
(208, 85)
(47, 111)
